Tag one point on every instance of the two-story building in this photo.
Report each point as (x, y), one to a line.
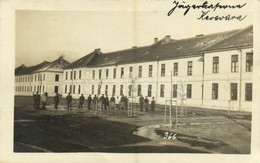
(177, 69)
(44, 77)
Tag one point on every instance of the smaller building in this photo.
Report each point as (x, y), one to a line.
(44, 77)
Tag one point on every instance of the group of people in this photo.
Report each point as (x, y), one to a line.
(40, 99)
(144, 103)
(104, 102)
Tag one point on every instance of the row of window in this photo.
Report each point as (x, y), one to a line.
(38, 88)
(188, 93)
(234, 63)
(73, 75)
(215, 69)
(39, 77)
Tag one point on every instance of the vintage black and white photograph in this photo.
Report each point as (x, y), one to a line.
(139, 77)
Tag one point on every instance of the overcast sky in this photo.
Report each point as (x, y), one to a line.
(46, 35)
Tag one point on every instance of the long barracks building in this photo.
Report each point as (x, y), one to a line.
(213, 71)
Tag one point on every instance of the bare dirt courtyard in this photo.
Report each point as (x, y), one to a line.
(201, 131)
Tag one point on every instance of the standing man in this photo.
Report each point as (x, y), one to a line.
(81, 101)
(95, 101)
(112, 102)
(36, 99)
(89, 102)
(117, 103)
(153, 105)
(141, 102)
(106, 102)
(69, 100)
(102, 101)
(56, 100)
(44, 100)
(146, 102)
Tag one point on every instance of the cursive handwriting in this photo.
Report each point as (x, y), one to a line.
(204, 5)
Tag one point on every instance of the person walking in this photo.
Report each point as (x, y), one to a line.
(89, 102)
(56, 100)
(69, 100)
(141, 102)
(146, 102)
(153, 104)
(81, 101)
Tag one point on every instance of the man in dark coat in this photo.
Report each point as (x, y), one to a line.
(69, 100)
(112, 102)
(81, 101)
(36, 100)
(89, 102)
(141, 102)
(102, 101)
(56, 100)
(106, 102)
(146, 102)
(95, 101)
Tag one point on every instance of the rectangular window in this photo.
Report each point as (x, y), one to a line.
(107, 73)
(71, 73)
(74, 87)
(114, 73)
(174, 90)
(215, 67)
(79, 89)
(43, 77)
(106, 89)
(57, 77)
(140, 71)
(162, 87)
(189, 90)
(149, 93)
(65, 89)
(75, 74)
(79, 74)
(130, 72)
(233, 91)
(121, 90)
(114, 90)
(214, 91)
(38, 78)
(70, 89)
(130, 90)
(122, 72)
(189, 72)
(56, 89)
(42, 88)
(150, 71)
(234, 63)
(248, 92)
(175, 69)
(162, 69)
(93, 74)
(139, 90)
(66, 78)
(92, 89)
(100, 74)
(249, 62)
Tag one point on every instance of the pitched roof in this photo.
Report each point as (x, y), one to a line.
(23, 70)
(84, 61)
(241, 38)
(57, 64)
(163, 50)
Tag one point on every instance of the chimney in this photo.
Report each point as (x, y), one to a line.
(200, 35)
(97, 50)
(167, 38)
(61, 59)
(134, 47)
(155, 40)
